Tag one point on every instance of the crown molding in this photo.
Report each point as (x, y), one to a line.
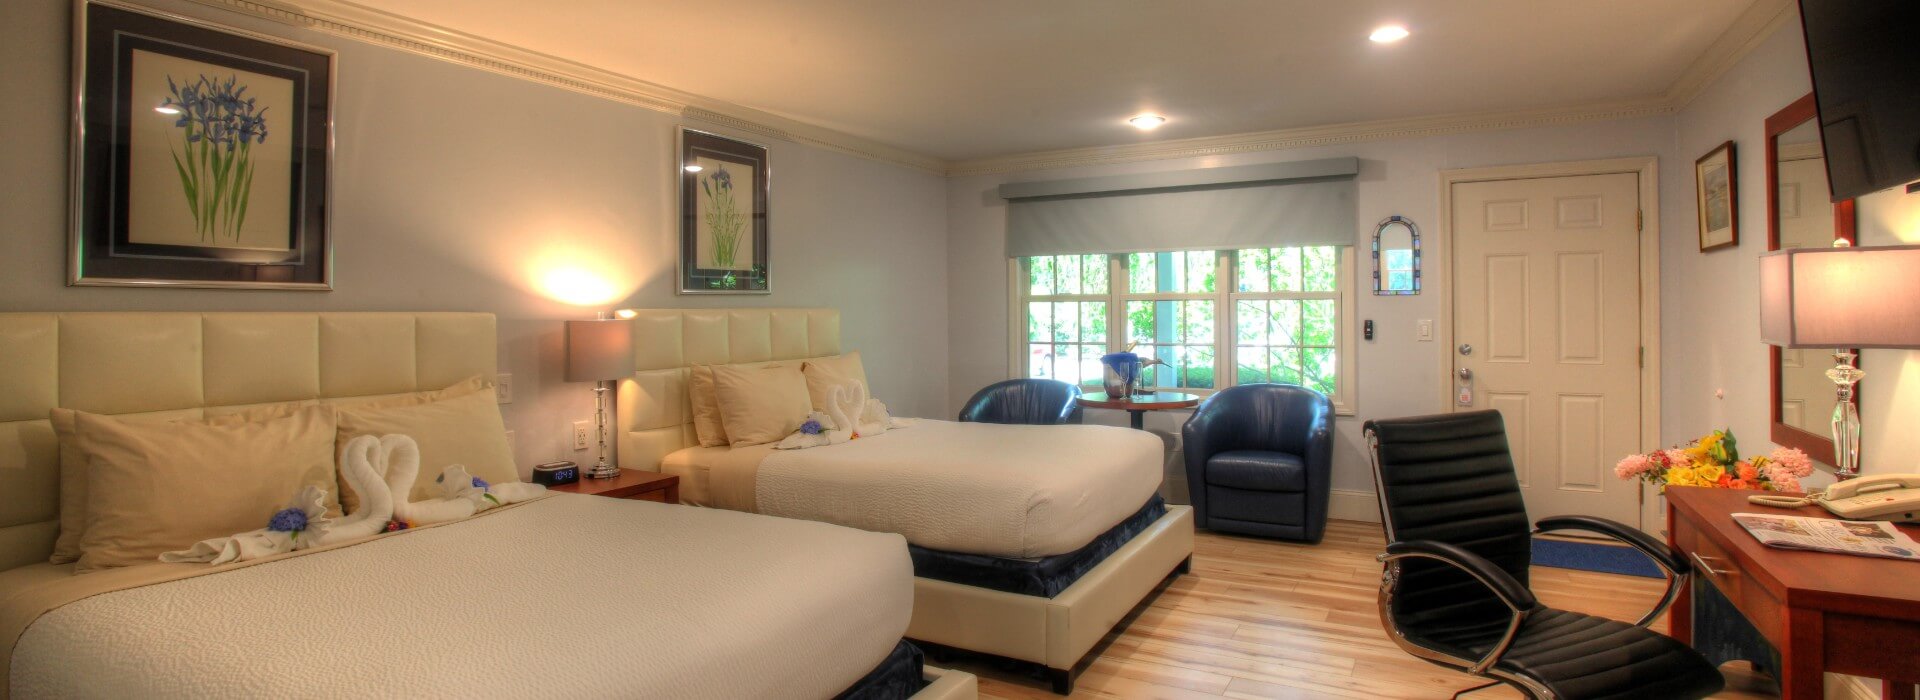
(1313, 136)
(381, 28)
(1759, 21)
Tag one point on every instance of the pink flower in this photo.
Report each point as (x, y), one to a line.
(1793, 461)
(1632, 466)
(1782, 477)
(1678, 458)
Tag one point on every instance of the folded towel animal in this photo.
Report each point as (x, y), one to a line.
(455, 482)
(401, 456)
(300, 525)
(362, 461)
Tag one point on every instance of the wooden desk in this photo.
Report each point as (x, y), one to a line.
(1138, 405)
(1824, 612)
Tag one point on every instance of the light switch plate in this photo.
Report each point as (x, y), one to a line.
(503, 388)
(581, 431)
(1423, 331)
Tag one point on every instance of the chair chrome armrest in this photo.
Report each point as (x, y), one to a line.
(1676, 568)
(1504, 586)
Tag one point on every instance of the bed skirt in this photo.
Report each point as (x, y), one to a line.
(899, 676)
(1045, 577)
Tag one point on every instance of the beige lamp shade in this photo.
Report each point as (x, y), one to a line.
(1841, 297)
(599, 350)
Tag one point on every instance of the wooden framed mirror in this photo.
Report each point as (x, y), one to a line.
(1801, 214)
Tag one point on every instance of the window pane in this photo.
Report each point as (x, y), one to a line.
(1184, 271)
(1039, 321)
(1318, 369)
(1250, 269)
(1400, 281)
(1317, 270)
(1317, 322)
(1069, 275)
(1039, 360)
(1250, 321)
(1195, 321)
(1093, 322)
(1286, 365)
(1093, 274)
(1397, 259)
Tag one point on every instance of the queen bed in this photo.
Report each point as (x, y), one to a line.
(1028, 542)
(560, 595)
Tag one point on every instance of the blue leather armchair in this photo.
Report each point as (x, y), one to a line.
(1259, 461)
(1024, 402)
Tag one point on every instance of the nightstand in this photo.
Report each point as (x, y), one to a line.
(631, 484)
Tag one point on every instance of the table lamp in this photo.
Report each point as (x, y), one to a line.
(600, 351)
(1844, 298)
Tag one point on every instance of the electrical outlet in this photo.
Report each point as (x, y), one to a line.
(1423, 331)
(503, 388)
(581, 432)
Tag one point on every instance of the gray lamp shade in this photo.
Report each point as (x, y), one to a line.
(599, 350)
(1841, 297)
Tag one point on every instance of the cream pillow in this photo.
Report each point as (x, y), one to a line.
(73, 467)
(760, 404)
(821, 382)
(465, 429)
(706, 407)
(847, 365)
(158, 487)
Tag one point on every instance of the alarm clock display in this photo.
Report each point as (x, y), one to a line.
(556, 473)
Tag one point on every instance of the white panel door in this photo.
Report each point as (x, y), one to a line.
(1547, 322)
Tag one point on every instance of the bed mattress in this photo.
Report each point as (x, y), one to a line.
(1044, 577)
(1018, 491)
(567, 596)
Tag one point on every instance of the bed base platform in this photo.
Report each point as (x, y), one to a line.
(948, 684)
(1055, 633)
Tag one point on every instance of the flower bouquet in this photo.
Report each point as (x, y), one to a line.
(1714, 461)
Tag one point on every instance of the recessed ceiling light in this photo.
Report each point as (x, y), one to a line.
(1147, 122)
(694, 168)
(167, 109)
(1389, 34)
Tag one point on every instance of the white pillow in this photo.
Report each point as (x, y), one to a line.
(760, 404)
(821, 381)
(706, 407)
(847, 365)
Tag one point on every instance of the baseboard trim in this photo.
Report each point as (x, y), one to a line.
(1360, 506)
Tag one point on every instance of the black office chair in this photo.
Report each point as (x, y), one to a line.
(1024, 402)
(1454, 591)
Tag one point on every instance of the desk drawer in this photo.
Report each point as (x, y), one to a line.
(1710, 561)
(655, 496)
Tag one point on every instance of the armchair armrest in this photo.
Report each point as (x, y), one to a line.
(1496, 579)
(1677, 569)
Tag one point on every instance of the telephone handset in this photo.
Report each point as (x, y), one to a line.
(1894, 497)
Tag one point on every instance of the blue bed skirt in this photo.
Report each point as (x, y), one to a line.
(1045, 577)
(897, 677)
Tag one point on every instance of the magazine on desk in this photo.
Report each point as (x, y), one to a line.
(1861, 538)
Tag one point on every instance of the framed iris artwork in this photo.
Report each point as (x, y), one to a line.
(201, 154)
(723, 215)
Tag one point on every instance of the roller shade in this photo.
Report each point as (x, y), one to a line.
(1254, 206)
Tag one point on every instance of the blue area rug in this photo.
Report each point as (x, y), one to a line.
(1585, 556)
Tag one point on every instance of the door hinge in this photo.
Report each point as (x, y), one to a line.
(1643, 357)
(1640, 220)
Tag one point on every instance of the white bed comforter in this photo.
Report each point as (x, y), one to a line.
(570, 596)
(1001, 490)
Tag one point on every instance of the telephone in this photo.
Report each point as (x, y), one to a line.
(1894, 497)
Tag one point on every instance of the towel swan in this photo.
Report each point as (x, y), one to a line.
(359, 461)
(401, 458)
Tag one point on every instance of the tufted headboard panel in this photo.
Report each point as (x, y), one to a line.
(655, 417)
(171, 365)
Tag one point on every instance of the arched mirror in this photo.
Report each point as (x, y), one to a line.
(1801, 214)
(1396, 257)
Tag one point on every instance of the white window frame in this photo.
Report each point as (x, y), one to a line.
(1226, 297)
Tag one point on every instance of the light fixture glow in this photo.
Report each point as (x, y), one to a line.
(167, 109)
(1147, 122)
(694, 168)
(1389, 34)
(625, 314)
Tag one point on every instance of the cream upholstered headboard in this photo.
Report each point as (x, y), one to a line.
(191, 364)
(655, 418)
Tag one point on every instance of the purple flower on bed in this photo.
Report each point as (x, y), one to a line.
(811, 427)
(288, 520)
(480, 483)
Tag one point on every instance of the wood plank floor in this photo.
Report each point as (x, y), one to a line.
(1265, 619)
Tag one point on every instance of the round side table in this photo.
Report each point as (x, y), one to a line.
(1138, 405)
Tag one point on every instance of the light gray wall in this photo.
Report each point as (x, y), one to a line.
(459, 189)
(1396, 375)
(1710, 300)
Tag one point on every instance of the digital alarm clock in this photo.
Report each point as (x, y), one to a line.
(556, 473)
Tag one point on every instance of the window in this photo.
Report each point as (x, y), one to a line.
(1215, 318)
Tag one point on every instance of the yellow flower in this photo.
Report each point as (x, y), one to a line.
(1680, 476)
(1709, 475)
(1707, 443)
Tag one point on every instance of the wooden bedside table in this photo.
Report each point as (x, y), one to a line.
(631, 484)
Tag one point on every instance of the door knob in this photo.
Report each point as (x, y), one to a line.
(1466, 349)
(1466, 374)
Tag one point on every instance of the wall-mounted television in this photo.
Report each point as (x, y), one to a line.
(1865, 56)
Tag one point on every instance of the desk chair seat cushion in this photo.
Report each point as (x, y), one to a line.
(1257, 470)
(1581, 656)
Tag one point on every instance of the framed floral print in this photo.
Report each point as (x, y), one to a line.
(723, 215)
(201, 154)
(1717, 196)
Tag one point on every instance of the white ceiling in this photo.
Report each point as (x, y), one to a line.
(968, 79)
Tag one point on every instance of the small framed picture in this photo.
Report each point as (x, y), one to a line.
(1717, 196)
(723, 215)
(201, 154)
